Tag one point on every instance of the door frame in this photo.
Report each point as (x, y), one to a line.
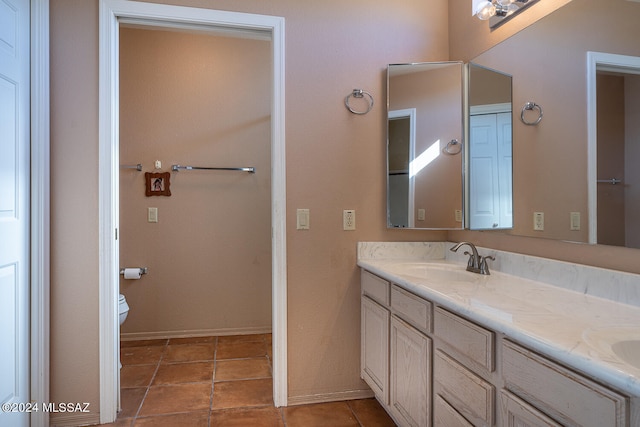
(40, 210)
(111, 12)
(604, 62)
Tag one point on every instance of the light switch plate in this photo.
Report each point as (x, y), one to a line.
(152, 214)
(302, 219)
(575, 221)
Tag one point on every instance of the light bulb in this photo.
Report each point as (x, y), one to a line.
(485, 10)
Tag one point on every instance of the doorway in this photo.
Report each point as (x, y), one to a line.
(112, 14)
(613, 87)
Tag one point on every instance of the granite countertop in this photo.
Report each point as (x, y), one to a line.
(574, 328)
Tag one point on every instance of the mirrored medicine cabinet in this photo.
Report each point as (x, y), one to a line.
(437, 177)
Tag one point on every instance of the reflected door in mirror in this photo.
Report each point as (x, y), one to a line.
(490, 170)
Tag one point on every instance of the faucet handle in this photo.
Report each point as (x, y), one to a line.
(484, 266)
(470, 262)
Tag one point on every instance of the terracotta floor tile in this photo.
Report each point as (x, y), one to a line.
(176, 398)
(176, 373)
(370, 413)
(136, 375)
(190, 419)
(192, 340)
(334, 414)
(189, 353)
(244, 417)
(235, 394)
(241, 350)
(130, 399)
(140, 355)
(237, 369)
(144, 343)
(226, 339)
(120, 422)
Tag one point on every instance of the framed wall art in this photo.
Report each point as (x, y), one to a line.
(157, 184)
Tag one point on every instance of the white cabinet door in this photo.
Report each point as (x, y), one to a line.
(375, 348)
(410, 375)
(14, 210)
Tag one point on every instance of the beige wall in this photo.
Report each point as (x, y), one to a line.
(205, 101)
(335, 161)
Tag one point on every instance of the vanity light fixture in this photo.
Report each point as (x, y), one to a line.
(498, 11)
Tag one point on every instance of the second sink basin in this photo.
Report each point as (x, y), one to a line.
(628, 351)
(622, 341)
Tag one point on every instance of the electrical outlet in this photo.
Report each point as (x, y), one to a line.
(458, 215)
(348, 219)
(421, 214)
(538, 221)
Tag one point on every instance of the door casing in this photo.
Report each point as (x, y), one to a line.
(111, 12)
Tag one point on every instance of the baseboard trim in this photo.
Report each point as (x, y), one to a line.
(135, 336)
(74, 419)
(330, 397)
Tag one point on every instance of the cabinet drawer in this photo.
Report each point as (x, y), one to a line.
(472, 396)
(375, 287)
(469, 339)
(411, 308)
(516, 412)
(560, 393)
(446, 415)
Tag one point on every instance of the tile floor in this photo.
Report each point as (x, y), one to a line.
(219, 381)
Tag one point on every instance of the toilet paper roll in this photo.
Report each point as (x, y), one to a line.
(132, 273)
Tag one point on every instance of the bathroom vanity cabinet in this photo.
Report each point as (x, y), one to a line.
(428, 365)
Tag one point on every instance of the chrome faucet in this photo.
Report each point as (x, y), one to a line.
(477, 263)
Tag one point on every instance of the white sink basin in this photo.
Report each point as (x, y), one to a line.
(628, 351)
(623, 342)
(438, 271)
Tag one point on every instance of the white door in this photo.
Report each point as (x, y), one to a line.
(14, 211)
(484, 187)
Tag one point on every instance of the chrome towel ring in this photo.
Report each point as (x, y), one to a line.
(531, 106)
(453, 143)
(359, 93)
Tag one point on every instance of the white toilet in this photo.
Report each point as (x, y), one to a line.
(123, 308)
(123, 311)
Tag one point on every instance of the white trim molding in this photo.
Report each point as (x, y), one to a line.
(599, 61)
(40, 209)
(151, 14)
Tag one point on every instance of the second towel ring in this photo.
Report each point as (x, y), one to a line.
(359, 93)
(531, 106)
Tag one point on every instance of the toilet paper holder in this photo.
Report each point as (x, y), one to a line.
(143, 270)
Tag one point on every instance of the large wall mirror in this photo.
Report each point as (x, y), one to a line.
(548, 61)
(425, 141)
